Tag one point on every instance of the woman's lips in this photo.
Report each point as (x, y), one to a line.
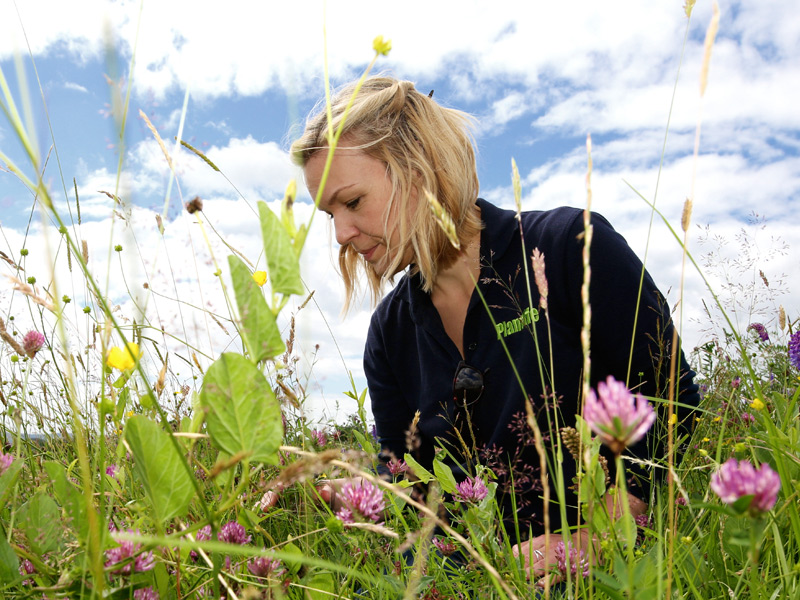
(367, 254)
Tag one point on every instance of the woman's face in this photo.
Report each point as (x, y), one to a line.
(356, 195)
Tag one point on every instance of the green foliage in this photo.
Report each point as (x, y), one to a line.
(242, 413)
(159, 469)
(39, 519)
(283, 265)
(259, 328)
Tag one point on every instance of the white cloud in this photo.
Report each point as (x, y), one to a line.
(75, 87)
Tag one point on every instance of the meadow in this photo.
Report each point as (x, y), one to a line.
(119, 479)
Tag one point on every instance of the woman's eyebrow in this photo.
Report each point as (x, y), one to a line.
(334, 197)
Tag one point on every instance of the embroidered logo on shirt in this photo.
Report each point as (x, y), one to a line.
(506, 328)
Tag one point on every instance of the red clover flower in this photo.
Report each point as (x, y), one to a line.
(5, 462)
(397, 467)
(128, 549)
(446, 547)
(32, 343)
(576, 560)
(471, 490)
(147, 593)
(264, 567)
(361, 502)
(203, 534)
(26, 568)
(233, 533)
(760, 330)
(736, 479)
(319, 437)
(794, 349)
(617, 416)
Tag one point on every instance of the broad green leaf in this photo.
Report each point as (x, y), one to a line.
(421, 472)
(321, 587)
(9, 563)
(258, 327)
(159, 468)
(444, 476)
(242, 413)
(40, 519)
(293, 565)
(70, 498)
(282, 261)
(8, 479)
(366, 443)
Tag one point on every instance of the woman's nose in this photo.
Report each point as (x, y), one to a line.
(345, 230)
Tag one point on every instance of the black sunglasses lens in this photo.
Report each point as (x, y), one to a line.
(467, 385)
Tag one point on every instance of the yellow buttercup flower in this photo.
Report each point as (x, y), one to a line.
(381, 46)
(123, 359)
(757, 404)
(260, 277)
(673, 418)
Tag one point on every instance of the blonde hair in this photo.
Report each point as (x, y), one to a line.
(424, 147)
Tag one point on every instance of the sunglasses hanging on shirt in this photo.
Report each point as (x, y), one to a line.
(468, 385)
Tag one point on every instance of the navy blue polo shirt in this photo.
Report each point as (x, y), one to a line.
(410, 361)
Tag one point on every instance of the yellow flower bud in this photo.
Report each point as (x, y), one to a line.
(757, 404)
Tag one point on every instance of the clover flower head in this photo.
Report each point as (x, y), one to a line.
(736, 479)
(265, 567)
(397, 467)
(32, 343)
(618, 417)
(26, 568)
(203, 534)
(111, 471)
(5, 462)
(736, 382)
(362, 501)
(794, 349)
(747, 418)
(760, 330)
(319, 437)
(471, 490)
(127, 549)
(233, 533)
(446, 547)
(577, 560)
(147, 593)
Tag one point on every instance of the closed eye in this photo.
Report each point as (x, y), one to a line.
(353, 204)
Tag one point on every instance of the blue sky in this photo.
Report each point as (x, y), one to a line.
(538, 76)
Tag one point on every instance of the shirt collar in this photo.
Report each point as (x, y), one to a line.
(499, 227)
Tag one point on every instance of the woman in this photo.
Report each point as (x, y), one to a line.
(433, 348)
